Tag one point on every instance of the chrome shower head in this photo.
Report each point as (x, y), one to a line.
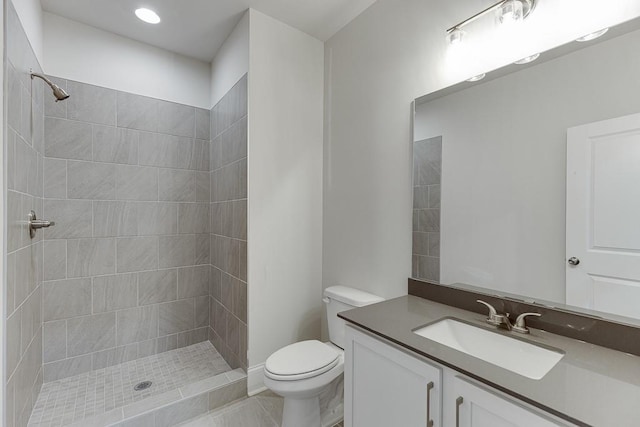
(58, 92)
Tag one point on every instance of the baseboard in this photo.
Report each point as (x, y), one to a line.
(255, 380)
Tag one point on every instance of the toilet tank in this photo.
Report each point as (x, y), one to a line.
(342, 298)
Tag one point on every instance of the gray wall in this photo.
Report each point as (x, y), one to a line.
(23, 165)
(427, 173)
(229, 225)
(126, 267)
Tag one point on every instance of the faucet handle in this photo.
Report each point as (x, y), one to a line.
(521, 325)
(492, 319)
(492, 311)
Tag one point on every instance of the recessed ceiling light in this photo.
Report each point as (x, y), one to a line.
(147, 15)
(527, 59)
(592, 36)
(476, 78)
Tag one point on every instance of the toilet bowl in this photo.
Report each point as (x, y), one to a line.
(300, 372)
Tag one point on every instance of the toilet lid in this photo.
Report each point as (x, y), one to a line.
(304, 359)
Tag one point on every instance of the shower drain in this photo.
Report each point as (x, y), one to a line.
(142, 386)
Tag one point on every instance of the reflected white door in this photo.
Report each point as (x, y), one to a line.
(603, 216)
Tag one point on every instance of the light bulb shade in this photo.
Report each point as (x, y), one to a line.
(511, 11)
(455, 36)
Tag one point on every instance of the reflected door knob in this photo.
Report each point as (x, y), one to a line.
(573, 261)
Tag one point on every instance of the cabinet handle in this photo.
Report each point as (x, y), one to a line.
(429, 388)
(459, 401)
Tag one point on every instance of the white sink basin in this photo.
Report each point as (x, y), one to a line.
(517, 356)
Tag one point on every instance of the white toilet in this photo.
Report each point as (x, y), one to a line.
(300, 372)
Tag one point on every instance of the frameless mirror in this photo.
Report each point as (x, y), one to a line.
(528, 182)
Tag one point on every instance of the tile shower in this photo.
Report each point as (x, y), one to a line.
(427, 176)
(147, 259)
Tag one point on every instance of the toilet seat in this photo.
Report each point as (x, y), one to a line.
(301, 360)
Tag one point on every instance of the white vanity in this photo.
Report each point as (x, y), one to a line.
(387, 386)
(412, 361)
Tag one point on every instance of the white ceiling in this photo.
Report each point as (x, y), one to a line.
(197, 28)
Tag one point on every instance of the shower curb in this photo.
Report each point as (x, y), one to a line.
(175, 406)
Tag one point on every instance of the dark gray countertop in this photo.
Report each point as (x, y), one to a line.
(591, 385)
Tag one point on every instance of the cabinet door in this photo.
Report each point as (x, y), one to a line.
(476, 406)
(385, 386)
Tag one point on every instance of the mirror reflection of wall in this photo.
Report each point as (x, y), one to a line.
(504, 166)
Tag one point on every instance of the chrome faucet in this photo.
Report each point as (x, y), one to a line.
(495, 319)
(502, 320)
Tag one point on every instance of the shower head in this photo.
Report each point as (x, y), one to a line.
(58, 92)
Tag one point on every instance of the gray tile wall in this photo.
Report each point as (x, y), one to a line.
(24, 258)
(228, 186)
(127, 265)
(427, 174)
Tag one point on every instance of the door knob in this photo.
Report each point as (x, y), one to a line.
(573, 261)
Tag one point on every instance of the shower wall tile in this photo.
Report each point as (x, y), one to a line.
(67, 368)
(23, 164)
(137, 324)
(91, 104)
(115, 356)
(427, 171)
(136, 183)
(176, 119)
(157, 286)
(177, 251)
(55, 341)
(72, 218)
(114, 292)
(193, 218)
(177, 185)
(127, 265)
(91, 333)
(203, 124)
(136, 254)
(228, 226)
(115, 145)
(111, 219)
(67, 139)
(165, 150)
(91, 257)
(137, 112)
(157, 218)
(177, 316)
(66, 298)
(203, 187)
(203, 249)
(193, 281)
(89, 180)
(55, 178)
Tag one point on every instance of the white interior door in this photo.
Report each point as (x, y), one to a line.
(603, 216)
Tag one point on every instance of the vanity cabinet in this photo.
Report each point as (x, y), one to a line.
(386, 385)
(477, 406)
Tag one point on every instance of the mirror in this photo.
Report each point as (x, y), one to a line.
(490, 178)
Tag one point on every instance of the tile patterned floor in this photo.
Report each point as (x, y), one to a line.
(262, 410)
(73, 399)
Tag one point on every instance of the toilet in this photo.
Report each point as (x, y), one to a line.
(300, 372)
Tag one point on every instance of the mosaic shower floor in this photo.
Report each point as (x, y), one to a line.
(73, 399)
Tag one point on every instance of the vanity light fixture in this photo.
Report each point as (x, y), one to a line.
(455, 36)
(147, 15)
(508, 11)
(477, 78)
(527, 59)
(592, 36)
